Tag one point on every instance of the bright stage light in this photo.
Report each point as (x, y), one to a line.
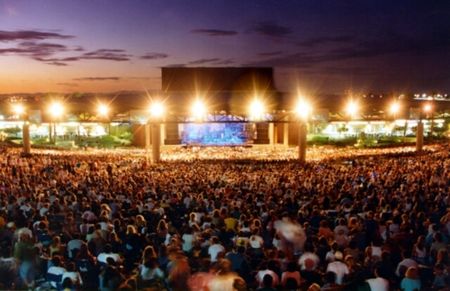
(303, 109)
(257, 109)
(103, 110)
(394, 108)
(56, 109)
(18, 109)
(198, 110)
(352, 108)
(427, 107)
(157, 109)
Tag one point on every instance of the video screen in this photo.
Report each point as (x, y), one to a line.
(214, 134)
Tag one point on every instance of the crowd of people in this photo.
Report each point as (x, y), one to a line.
(116, 222)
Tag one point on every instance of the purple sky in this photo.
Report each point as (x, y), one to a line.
(316, 46)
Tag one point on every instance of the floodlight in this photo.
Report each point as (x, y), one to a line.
(352, 108)
(103, 110)
(256, 109)
(198, 109)
(156, 109)
(56, 109)
(427, 107)
(394, 108)
(18, 109)
(303, 109)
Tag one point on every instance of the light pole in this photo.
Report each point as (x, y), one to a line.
(394, 108)
(56, 110)
(427, 108)
(157, 111)
(303, 111)
(19, 110)
(103, 111)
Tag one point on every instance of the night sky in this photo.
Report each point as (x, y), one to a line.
(316, 46)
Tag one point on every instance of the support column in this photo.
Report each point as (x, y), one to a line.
(275, 133)
(156, 142)
(286, 134)
(50, 129)
(163, 133)
(271, 133)
(26, 138)
(302, 142)
(419, 136)
(262, 133)
(147, 136)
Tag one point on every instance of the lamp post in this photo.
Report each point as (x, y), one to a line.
(303, 111)
(103, 112)
(419, 136)
(352, 109)
(427, 108)
(394, 108)
(156, 114)
(56, 110)
(156, 141)
(20, 111)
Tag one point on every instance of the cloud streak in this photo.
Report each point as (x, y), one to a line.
(98, 79)
(204, 61)
(317, 41)
(67, 84)
(214, 32)
(118, 55)
(270, 54)
(360, 48)
(272, 29)
(154, 56)
(21, 35)
(32, 44)
(211, 61)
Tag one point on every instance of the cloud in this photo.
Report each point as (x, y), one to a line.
(204, 61)
(270, 54)
(49, 53)
(57, 64)
(36, 51)
(175, 66)
(316, 41)
(118, 55)
(143, 78)
(214, 32)
(370, 49)
(98, 79)
(67, 84)
(19, 35)
(224, 62)
(212, 61)
(272, 29)
(154, 56)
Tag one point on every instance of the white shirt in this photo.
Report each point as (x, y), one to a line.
(188, 239)
(214, 250)
(256, 241)
(260, 276)
(340, 269)
(74, 276)
(407, 263)
(72, 245)
(57, 271)
(102, 257)
(378, 284)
